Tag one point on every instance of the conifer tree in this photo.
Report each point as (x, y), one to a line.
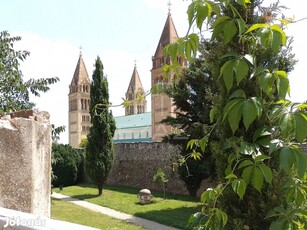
(193, 102)
(99, 150)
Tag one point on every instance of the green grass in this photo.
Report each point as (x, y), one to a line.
(66, 211)
(173, 211)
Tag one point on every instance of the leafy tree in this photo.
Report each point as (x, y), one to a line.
(14, 91)
(261, 168)
(99, 150)
(83, 142)
(160, 178)
(65, 165)
(193, 102)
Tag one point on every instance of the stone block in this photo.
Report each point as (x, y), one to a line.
(25, 166)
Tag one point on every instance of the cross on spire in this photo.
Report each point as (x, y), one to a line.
(169, 4)
(134, 63)
(80, 48)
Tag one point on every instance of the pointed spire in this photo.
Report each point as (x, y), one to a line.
(135, 81)
(169, 33)
(80, 74)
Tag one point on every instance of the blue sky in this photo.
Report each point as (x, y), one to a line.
(120, 32)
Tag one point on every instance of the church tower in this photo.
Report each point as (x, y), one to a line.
(79, 99)
(162, 104)
(136, 94)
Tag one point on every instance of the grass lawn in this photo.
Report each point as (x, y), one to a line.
(63, 210)
(173, 211)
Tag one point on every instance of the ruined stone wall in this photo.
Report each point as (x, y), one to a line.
(25, 165)
(136, 163)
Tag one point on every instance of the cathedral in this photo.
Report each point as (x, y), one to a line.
(137, 125)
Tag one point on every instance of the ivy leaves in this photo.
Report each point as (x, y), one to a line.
(241, 108)
(269, 36)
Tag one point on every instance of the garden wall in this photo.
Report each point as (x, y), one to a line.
(136, 163)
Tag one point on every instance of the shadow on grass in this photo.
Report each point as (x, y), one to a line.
(177, 217)
(85, 196)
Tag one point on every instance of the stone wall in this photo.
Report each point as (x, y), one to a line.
(136, 163)
(25, 165)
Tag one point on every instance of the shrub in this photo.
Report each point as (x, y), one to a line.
(65, 165)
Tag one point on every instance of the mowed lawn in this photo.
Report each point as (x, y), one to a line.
(66, 211)
(174, 211)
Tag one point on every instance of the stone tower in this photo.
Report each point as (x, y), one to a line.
(135, 93)
(162, 104)
(79, 99)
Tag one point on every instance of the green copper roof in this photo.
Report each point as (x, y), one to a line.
(133, 121)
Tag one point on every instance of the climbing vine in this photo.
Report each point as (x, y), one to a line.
(262, 169)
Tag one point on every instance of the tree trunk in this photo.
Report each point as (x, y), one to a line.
(100, 187)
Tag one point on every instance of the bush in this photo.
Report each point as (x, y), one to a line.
(66, 165)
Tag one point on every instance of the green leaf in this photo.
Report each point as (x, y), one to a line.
(220, 215)
(196, 155)
(266, 37)
(290, 195)
(231, 176)
(249, 113)
(247, 174)
(195, 218)
(227, 73)
(267, 172)
(201, 14)
(286, 124)
(239, 187)
(261, 158)
(266, 83)
(276, 41)
(278, 225)
(191, 12)
(203, 143)
(301, 162)
(234, 116)
(257, 26)
(191, 143)
(245, 163)
(229, 31)
(300, 196)
(282, 33)
(215, 8)
(208, 196)
(241, 69)
(257, 178)
(282, 83)
(300, 126)
(259, 133)
(286, 159)
(238, 94)
(241, 25)
(220, 20)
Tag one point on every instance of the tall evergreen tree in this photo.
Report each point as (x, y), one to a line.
(193, 102)
(99, 150)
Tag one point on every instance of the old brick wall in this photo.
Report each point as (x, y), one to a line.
(25, 165)
(136, 163)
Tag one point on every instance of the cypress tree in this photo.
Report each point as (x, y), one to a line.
(99, 150)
